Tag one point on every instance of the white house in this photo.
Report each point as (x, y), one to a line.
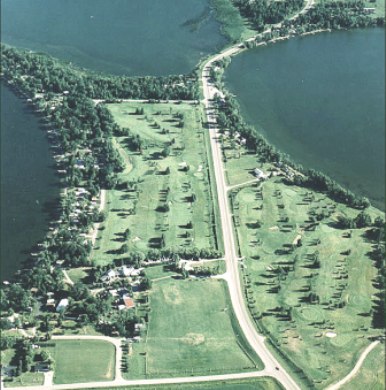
(109, 276)
(125, 271)
(259, 174)
(62, 305)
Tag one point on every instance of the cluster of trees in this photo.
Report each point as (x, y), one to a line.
(168, 254)
(229, 118)
(321, 182)
(40, 73)
(362, 220)
(377, 235)
(262, 12)
(336, 15)
(324, 15)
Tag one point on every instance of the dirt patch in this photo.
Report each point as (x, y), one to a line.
(194, 339)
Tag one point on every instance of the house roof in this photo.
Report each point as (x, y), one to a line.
(129, 302)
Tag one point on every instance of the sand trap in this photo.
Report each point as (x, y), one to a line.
(135, 239)
(330, 334)
(274, 228)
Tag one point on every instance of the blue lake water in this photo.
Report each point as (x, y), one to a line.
(321, 100)
(135, 37)
(28, 181)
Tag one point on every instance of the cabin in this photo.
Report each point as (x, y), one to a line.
(62, 305)
(259, 174)
(109, 276)
(128, 302)
(125, 271)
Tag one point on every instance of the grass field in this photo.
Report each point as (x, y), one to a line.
(372, 373)
(264, 383)
(190, 332)
(26, 379)
(324, 337)
(82, 361)
(147, 223)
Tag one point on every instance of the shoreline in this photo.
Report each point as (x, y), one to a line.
(375, 201)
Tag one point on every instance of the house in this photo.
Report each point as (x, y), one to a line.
(136, 272)
(259, 174)
(368, 11)
(109, 276)
(50, 303)
(125, 271)
(128, 302)
(62, 305)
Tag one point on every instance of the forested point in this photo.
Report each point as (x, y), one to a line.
(323, 15)
(35, 73)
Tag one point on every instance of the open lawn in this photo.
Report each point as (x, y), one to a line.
(82, 360)
(264, 383)
(190, 332)
(315, 299)
(372, 373)
(170, 205)
(26, 379)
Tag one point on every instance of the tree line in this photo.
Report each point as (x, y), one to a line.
(324, 15)
(262, 12)
(37, 72)
(229, 118)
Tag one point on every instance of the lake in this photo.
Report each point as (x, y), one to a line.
(135, 37)
(321, 100)
(28, 181)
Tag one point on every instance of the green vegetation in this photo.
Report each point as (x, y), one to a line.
(82, 360)
(324, 15)
(162, 200)
(190, 331)
(26, 379)
(77, 274)
(260, 12)
(233, 26)
(314, 275)
(372, 373)
(54, 76)
(263, 383)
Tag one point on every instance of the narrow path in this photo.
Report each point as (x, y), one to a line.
(96, 225)
(356, 368)
(67, 278)
(97, 101)
(246, 183)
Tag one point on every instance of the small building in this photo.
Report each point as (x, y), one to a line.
(368, 10)
(62, 305)
(259, 174)
(109, 276)
(125, 271)
(128, 302)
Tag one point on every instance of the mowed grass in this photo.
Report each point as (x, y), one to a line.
(269, 217)
(78, 361)
(372, 373)
(190, 332)
(26, 379)
(147, 225)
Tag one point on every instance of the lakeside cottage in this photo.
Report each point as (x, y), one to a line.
(259, 174)
(62, 305)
